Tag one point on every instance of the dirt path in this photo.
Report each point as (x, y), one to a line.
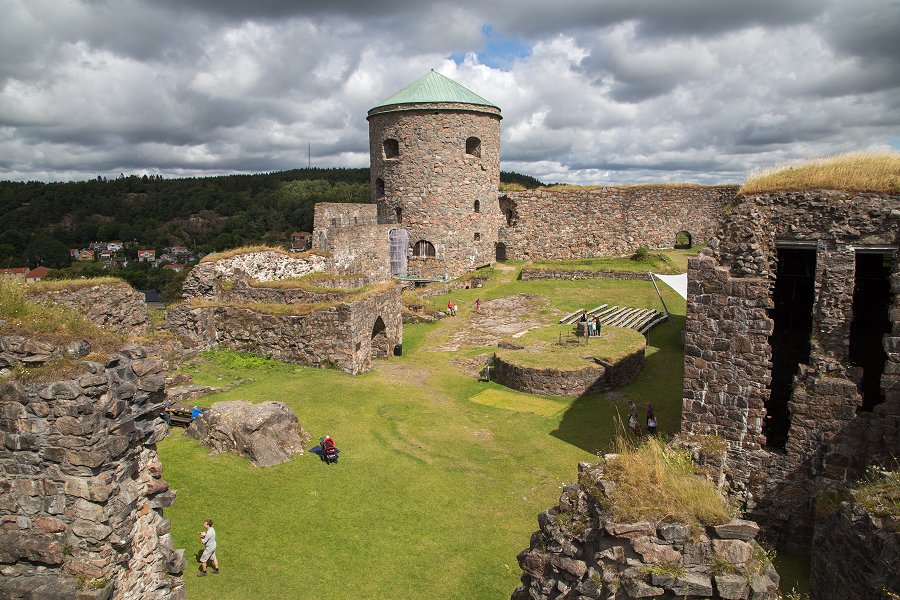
(497, 319)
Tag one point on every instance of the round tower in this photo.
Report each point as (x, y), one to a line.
(435, 172)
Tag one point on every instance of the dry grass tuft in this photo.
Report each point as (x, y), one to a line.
(657, 483)
(249, 249)
(71, 285)
(310, 283)
(879, 493)
(852, 172)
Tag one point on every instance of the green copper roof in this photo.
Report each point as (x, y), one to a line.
(434, 87)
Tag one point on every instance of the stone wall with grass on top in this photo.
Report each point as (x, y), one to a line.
(728, 355)
(591, 378)
(82, 492)
(607, 221)
(580, 274)
(117, 307)
(346, 334)
(580, 551)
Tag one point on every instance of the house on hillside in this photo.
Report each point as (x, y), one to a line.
(73, 252)
(86, 254)
(146, 255)
(36, 274)
(174, 267)
(106, 255)
(179, 251)
(16, 273)
(115, 246)
(300, 241)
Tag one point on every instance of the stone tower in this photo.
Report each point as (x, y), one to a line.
(435, 172)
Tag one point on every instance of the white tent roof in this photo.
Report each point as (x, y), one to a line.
(676, 282)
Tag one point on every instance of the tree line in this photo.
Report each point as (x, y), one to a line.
(41, 221)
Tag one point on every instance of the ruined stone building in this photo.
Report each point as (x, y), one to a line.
(792, 347)
(436, 211)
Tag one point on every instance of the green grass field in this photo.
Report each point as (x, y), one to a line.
(441, 476)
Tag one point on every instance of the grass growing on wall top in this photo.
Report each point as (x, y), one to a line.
(852, 172)
(666, 262)
(657, 483)
(74, 284)
(251, 249)
(879, 493)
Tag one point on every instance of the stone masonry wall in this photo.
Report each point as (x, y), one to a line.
(591, 379)
(357, 244)
(579, 274)
(82, 488)
(435, 184)
(855, 556)
(558, 224)
(208, 278)
(117, 307)
(728, 357)
(346, 336)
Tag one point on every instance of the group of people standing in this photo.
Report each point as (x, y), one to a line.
(633, 421)
(594, 326)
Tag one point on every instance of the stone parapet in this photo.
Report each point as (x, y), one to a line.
(209, 278)
(592, 378)
(82, 488)
(117, 307)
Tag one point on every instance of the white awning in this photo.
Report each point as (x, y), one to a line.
(676, 282)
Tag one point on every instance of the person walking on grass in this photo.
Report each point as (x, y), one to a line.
(632, 418)
(651, 419)
(477, 304)
(208, 539)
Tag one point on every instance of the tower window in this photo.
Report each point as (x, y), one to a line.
(477, 236)
(391, 148)
(398, 212)
(473, 146)
(478, 206)
(379, 188)
(424, 248)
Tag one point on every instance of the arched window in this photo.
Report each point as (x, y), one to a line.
(391, 148)
(398, 212)
(477, 236)
(473, 146)
(478, 206)
(379, 188)
(423, 248)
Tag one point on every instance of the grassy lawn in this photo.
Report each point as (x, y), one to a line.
(441, 476)
(659, 261)
(542, 350)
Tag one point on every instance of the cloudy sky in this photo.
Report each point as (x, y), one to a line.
(592, 91)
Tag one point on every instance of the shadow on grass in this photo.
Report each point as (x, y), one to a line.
(590, 422)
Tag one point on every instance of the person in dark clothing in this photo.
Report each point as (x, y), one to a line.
(651, 419)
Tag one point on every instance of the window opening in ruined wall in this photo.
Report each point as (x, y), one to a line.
(391, 148)
(398, 213)
(501, 251)
(473, 146)
(423, 249)
(793, 298)
(477, 206)
(379, 188)
(871, 321)
(477, 236)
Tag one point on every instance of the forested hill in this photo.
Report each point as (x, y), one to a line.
(39, 222)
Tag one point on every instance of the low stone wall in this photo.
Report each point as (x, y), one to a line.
(855, 556)
(241, 293)
(16, 350)
(578, 274)
(346, 336)
(82, 493)
(119, 308)
(209, 279)
(591, 379)
(579, 551)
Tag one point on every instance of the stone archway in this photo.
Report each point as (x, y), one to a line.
(683, 240)
(380, 345)
(501, 252)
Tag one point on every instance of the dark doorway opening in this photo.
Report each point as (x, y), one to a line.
(683, 240)
(871, 321)
(501, 251)
(790, 340)
(379, 340)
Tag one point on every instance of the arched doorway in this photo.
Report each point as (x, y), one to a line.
(501, 251)
(379, 340)
(683, 240)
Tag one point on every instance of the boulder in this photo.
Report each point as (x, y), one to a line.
(267, 433)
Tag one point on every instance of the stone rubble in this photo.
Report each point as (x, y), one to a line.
(117, 307)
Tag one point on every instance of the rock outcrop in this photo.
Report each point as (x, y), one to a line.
(117, 307)
(82, 492)
(855, 555)
(579, 552)
(16, 350)
(208, 278)
(267, 433)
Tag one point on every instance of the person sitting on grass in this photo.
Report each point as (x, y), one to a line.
(196, 412)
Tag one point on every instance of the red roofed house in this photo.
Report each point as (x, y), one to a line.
(146, 255)
(36, 274)
(86, 255)
(300, 241)
(14, 273)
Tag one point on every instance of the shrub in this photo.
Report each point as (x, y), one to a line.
(641, 254)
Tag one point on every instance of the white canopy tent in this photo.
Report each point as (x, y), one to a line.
(676, 282)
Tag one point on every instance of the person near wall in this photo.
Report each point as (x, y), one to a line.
(598, 327)
(651, 419)
(168, 409)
